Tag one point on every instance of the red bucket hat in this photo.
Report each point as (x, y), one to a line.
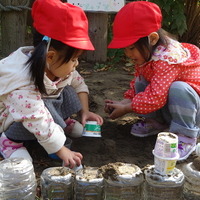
(63, 22)
(135, 20)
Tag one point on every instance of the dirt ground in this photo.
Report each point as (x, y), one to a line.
(116, 143)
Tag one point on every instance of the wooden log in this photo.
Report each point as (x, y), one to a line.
(98, 31)
(13, 26)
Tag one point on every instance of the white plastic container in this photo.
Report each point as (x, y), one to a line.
(165, 153)
(17, 179)
(166, 145)
(164, 166)
(92, 129)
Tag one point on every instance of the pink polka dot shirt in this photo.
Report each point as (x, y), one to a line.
(179, 62)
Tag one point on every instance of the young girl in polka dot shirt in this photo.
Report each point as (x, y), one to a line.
(166, 86)
(40, 87)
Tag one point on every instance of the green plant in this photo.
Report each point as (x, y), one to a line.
(174, 19)
(99, 66)
(114, 56)
(180, 18)
(192, 11)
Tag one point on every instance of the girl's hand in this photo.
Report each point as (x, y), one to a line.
(119, 109)
(90, 116)
(111, 101)
(123, 108)
(107, 108)
(70, 158)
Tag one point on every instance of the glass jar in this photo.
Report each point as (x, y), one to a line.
(17, 179)
(165, 187)
(57, 183)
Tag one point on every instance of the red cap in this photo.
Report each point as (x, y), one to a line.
(63, 22)
(135, 20)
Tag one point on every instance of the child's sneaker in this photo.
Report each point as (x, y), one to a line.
(10, 149)
(74, 128)
(186, 146)
(147, 127)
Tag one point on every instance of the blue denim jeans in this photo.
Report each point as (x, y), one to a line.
(182, 110)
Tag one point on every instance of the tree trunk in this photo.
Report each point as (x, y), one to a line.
(13, 26)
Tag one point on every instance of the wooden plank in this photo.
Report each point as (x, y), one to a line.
(98, 23)
(99, 5)
(97, 13)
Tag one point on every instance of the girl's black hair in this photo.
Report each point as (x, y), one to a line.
(37, 61)
(146, 49)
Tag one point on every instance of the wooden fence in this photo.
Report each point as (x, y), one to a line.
(14, 15)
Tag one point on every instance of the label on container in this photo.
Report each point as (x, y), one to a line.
(92, 130)
(166, 145)
(164, 167)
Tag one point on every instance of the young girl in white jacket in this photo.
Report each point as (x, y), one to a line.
(40, 88)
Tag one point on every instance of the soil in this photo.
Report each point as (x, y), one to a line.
(88, 174)
(59, 171)
(113, 171)
(116, 143)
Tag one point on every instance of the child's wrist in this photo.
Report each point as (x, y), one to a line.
(128, 108)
